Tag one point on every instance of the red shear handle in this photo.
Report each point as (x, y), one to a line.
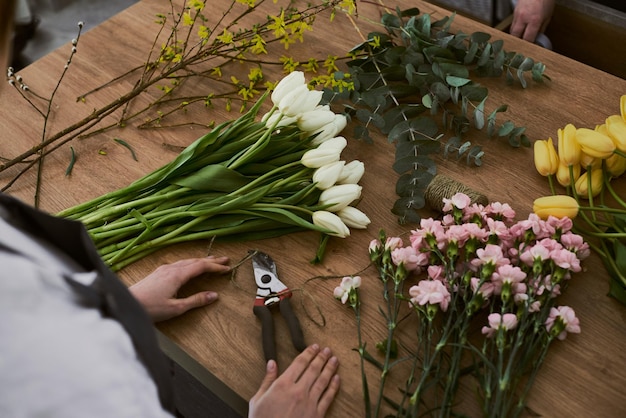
(297, 338)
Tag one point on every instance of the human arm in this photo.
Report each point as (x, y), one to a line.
(306, 388)
(157, 292)
(531, 17)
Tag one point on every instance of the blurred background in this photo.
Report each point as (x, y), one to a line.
(44, 25)
(589, 31)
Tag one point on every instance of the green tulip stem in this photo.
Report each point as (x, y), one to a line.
(257, 146)
(551, 183)
(620, 153)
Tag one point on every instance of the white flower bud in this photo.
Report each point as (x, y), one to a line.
(351, 172)
(338, 143)
(326, 176)
(286, 85)
(319, 157)
(353, 217)
(316, 119)
(330, 130)
(299, 100)
(340, 196)
(332, 222)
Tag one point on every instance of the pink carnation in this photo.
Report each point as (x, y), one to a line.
(507, 321)
(566, 317)
(409, 257)
(430, 292)
(459, 201)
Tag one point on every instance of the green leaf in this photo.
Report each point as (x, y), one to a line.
(427, 101)
(474, 92)
(414, 162)
(479, 115)
(480, 37)
(455, 81)
(506, 128)
(410, 183)
(125, 144)
(70, 167)
(214, 178)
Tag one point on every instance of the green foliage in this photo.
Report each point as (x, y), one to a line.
(416, 81)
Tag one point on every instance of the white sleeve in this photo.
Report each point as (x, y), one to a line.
(58, 359)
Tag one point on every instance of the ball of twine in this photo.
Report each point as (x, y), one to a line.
(443, 187)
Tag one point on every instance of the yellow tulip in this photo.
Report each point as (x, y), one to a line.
(594, 143)
(616, 127)
(582, 184)
(558, 206)
(546, 160)
(622, 106)
(563, 175)
(615, 165)
(588, 162)
(569, 150)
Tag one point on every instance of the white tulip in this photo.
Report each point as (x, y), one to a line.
(315, 119)
(351, 172)
(330, 130)
(338, 143)
(340, 196)
(327, 175)
(332, 222)
(319, 157)
(284, 120)
(286, 85)
(353, 217)
(299, 101)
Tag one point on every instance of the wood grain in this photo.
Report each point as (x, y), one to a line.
(583, 376)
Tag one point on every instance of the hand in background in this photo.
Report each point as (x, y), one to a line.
(157, 292)
(531, 17)
(305, 390)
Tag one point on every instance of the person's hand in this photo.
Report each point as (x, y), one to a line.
(157, 292)
(305, 390)
(531, 17)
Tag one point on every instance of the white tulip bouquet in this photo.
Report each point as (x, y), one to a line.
(244, 180)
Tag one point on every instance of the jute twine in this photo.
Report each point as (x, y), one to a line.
(443, 187)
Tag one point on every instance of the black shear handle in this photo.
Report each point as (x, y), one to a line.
(267, 324)
(297, 338)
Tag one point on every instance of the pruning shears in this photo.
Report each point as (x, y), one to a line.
(272, 292)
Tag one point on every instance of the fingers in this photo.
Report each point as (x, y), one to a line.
(300, 364)
(196, 301)
(329, 395)
(327, 383)
(193, 267)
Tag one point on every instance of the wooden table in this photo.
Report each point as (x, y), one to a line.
(583, 376)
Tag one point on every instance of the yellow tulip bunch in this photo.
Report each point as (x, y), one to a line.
(585, 162)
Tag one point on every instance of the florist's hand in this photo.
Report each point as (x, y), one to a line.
(531, 17)
(305, 390)
(157, 292)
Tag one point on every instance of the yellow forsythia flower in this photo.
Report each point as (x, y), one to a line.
(582, 184)
(616, 128)
(563, 174)
(558, 206)
(568, 148)
(622, 106)
(594, 143)
(546, 160)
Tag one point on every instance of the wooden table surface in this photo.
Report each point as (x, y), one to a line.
(583, 376)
